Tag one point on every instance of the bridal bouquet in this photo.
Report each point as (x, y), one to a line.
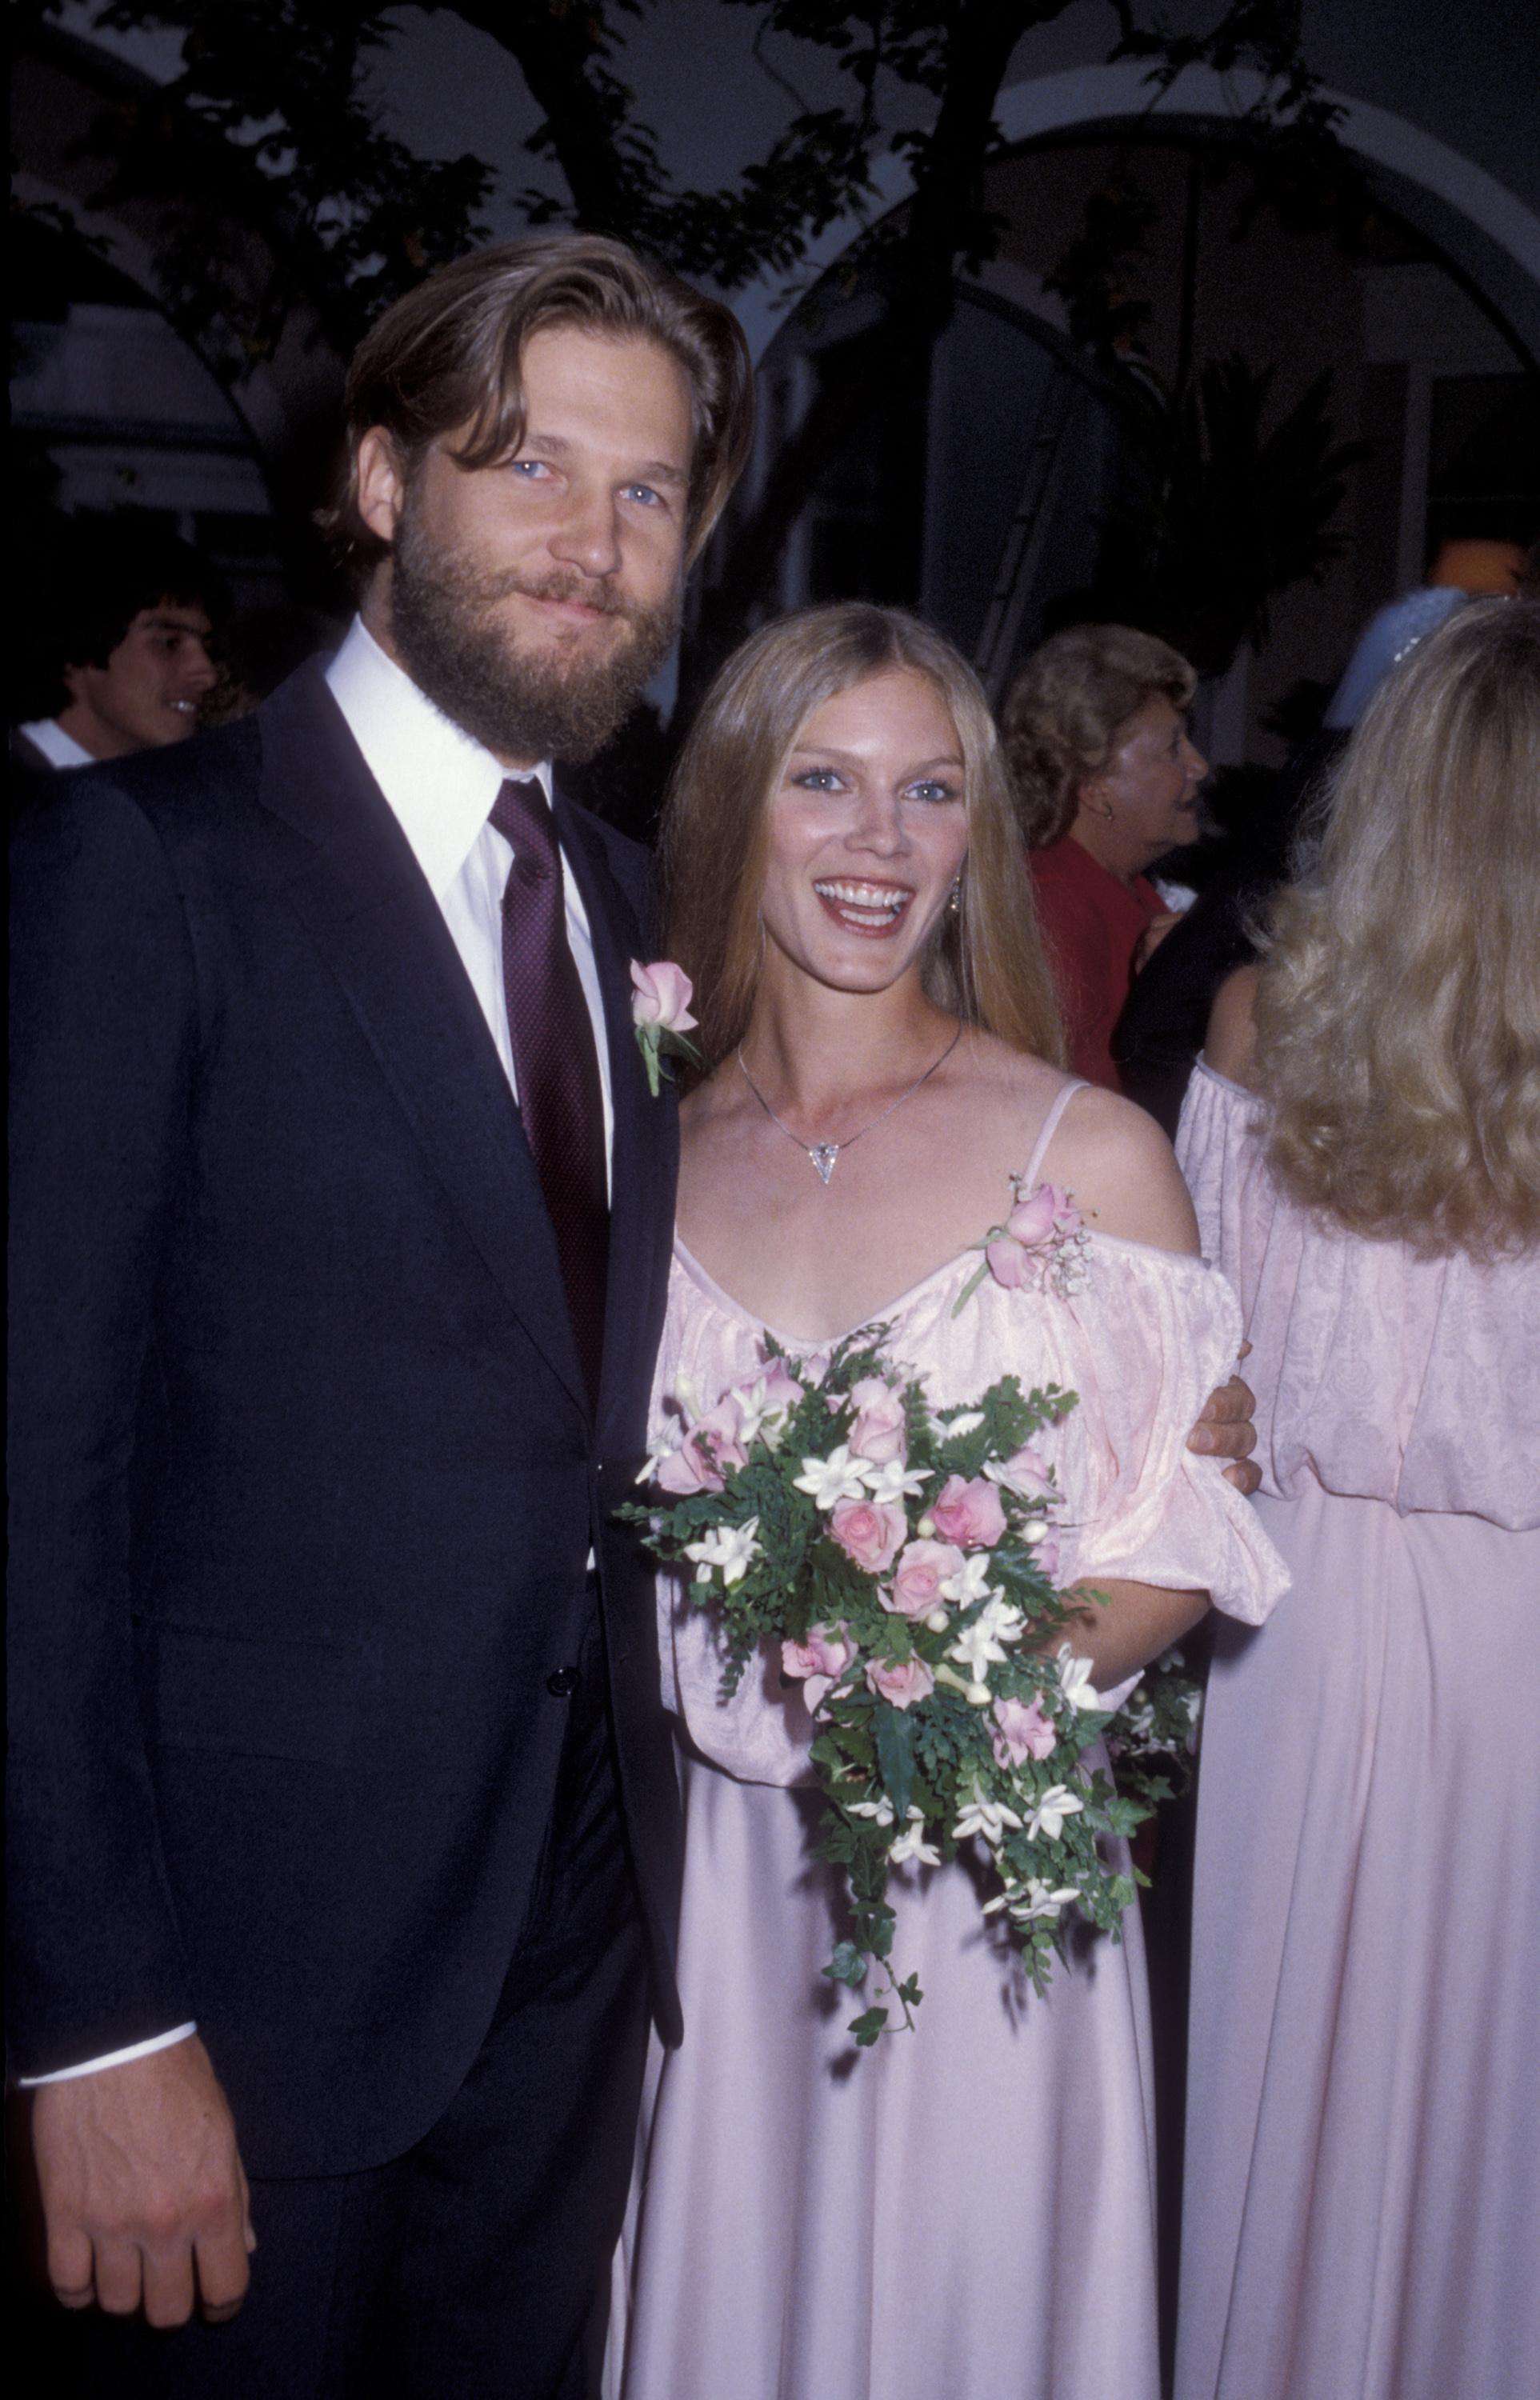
(903, 1559)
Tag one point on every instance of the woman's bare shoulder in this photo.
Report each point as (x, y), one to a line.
(1121, 1171)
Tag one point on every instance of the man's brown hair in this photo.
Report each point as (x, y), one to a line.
(447, 356)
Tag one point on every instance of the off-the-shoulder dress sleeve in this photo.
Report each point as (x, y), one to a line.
(1143, 1346)
(1378, 1374)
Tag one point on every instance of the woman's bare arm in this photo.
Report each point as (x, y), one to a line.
(1229, 1043)
(1136, 1623)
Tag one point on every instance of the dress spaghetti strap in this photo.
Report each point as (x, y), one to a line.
(1049, 1127)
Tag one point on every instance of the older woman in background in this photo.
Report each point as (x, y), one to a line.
(1363, 1144)
(1095, 738)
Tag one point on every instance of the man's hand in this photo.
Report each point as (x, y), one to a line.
(143, 2193)
(1225, 1431)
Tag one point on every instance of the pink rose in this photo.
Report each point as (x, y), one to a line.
(869, 1532)
(661, 996)
(1028, 1471)
(1035, 1219)
(699, 1464)
(968, 1513)
(920, 1573)
(815, 1662)
(1007, 1262)
(1046, 1556)
(878, 1432)
(781, 1390)
(902, 1685)
(1025, 1245)
(1021, 1731)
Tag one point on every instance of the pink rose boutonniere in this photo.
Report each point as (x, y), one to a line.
(1038, 1248)
(660, 1010)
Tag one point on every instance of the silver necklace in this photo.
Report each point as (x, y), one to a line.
(824, 1154)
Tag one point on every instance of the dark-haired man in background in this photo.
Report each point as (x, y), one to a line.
(124, 617)
(344, 1828)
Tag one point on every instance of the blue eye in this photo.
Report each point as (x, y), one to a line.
(818, 779)
(933, 792)
(645, 494)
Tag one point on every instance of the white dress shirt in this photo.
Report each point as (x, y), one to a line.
(60, 749)
(440, 786)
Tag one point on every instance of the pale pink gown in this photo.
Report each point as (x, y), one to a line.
(1362, 2210)
(965, 2214)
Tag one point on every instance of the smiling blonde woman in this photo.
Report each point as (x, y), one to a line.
(968, 2209)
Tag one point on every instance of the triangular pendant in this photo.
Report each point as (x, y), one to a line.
(824, 1158)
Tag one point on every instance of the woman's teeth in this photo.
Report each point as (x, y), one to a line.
(865, 903)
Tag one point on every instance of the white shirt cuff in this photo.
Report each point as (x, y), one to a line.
(113, 2058)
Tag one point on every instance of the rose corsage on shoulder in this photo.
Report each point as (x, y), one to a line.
(660, 1012)
(1040, 1248)
(900, 1560)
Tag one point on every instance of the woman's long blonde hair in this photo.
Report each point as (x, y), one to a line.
(1399, 1009)
(986, 963)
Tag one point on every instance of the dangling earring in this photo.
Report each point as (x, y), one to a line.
(954, 901)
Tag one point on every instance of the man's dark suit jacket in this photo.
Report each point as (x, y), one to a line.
(303, 1475)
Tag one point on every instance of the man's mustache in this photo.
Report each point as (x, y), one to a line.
(588, 591)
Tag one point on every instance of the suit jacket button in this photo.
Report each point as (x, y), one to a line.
(563, 1683)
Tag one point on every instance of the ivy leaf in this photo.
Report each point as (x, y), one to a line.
(867, 2028)
(847, 1966)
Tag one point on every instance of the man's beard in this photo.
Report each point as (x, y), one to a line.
(456, 644)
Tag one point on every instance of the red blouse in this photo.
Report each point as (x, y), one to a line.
(1091, 925)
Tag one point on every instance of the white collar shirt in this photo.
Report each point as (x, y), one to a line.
(60, 749)
(440, 784)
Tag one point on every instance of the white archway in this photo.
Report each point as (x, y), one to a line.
(1120, 95)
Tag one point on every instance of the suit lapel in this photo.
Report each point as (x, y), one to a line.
(361, 895)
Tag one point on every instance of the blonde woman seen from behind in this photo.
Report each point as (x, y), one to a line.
(1362, 2208)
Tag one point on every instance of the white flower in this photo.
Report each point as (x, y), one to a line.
(971, 1582)
(879, 1811)
(1038, 1900)
(911, 1844)
(1055, 1803)
(987, 1816)
(732, 1547)
(965, 1421)
(756, 1414)
(1075, 1680)
(979, 1645)
(896, 1481)
(671, 1436)
(839, 1477)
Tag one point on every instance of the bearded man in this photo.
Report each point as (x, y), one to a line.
(343, 1829)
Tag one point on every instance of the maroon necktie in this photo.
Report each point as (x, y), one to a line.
(554, 1061)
